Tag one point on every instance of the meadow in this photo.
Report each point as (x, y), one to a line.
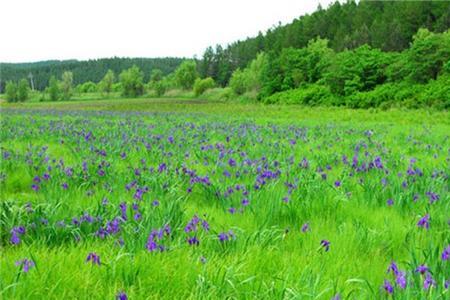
(190, 199)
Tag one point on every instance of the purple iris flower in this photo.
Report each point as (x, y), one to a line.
(400, 279)
(223, 237)
(337, 183)
(226, 236)
(162, 167)
(388, 286)
(16, 232)
(424, 222)
(393, 268)
(432, 197)
(428, 282)
(422, 269)
(390, 202)
(121, 296)
(193, 241)
(15, 240)
(325, 244)
(306, 227)
(446, 253)
(26, 264)
(94, 258)
(123, 210)
(231, 162)
(336, 297)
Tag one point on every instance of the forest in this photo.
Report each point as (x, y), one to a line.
(356, 54)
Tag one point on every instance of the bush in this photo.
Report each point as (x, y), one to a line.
(201, 85)
(116, 87)
(312, 94)
(219, 94)
(160, 88)
(436, 93)
(87, 87)
(386, 95)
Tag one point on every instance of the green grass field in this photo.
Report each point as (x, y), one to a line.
(190, 199)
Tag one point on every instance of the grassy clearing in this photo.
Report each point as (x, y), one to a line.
(262, 172)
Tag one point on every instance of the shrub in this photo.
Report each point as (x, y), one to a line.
(160, 87)
(436, 93)
(219, 94)
(87, 87)
(312, 94)
(201, 85)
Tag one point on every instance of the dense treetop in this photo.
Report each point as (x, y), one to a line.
(386, 25)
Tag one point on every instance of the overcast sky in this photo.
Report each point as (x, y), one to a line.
(33, 30)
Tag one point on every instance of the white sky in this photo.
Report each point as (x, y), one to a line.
(33, 30)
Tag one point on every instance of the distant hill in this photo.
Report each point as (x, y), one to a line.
(89, 70)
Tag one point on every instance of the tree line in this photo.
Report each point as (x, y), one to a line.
(39, 73)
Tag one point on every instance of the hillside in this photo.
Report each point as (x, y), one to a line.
(386, 25)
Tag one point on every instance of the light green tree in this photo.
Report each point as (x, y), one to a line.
(53, 89)
(23, 90)
(11, 91)
(132, 81)
(201, 85)
(186, 74)
(67, 85)
(107, 82)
